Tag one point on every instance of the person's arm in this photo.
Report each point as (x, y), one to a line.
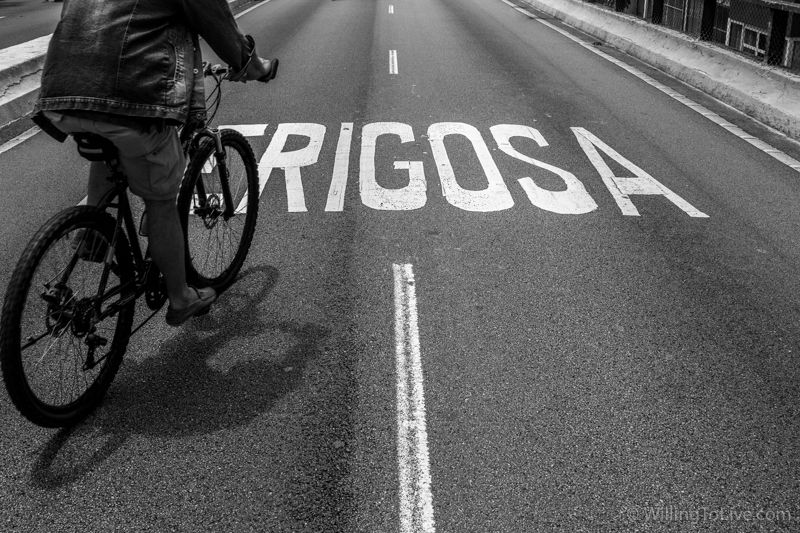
(214, 22)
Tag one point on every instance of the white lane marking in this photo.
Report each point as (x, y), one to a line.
(757, 143)
(341, 168)
(391, 9)
(291, 161)
(495, 197)
(416, 501)
(249, 9)
(623, 187)
(573, 200)
(393, 62)
(248, 130)
(374, 195)
(19, 139)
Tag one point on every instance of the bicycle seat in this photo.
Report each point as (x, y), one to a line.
(95, 147)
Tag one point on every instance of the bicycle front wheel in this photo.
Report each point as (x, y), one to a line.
(61, 343)
(218, 239)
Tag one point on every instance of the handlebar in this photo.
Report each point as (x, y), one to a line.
(223, 73)
(214, 70)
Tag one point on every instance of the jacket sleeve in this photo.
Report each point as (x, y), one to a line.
(214, 22)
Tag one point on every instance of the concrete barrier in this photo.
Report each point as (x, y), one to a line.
(769, 94)
(20, 70)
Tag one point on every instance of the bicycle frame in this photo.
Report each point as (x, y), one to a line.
(190, 137)
(124, 223)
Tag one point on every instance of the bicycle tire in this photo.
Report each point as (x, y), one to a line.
(199, 228)
(54, 238)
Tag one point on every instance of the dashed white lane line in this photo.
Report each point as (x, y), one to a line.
(249, 9)
(416, 500)
(736, 130)
(393, 62)
(391, 9)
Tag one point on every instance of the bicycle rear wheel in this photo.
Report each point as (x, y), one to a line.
(58, 353)
(216, 245)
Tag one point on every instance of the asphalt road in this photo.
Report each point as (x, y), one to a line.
(586, 366)
(23, 20)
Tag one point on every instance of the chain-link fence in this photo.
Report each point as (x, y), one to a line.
(767, 30)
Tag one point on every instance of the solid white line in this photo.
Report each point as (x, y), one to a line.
(769, 150)
(416, 501)
(249, 9)
(341, 168)
(19, 139)
(393, 62)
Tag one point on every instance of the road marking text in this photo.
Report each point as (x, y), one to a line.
(572, 199)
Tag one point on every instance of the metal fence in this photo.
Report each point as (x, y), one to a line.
(766, 30)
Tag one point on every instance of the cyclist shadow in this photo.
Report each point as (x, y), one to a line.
(182, 390)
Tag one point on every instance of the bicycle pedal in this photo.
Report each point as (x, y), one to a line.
(95, 341)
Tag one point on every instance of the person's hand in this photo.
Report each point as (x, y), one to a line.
(261, 69)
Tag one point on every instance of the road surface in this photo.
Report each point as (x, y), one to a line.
(503, 285)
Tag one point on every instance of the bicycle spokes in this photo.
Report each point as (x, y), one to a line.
(63, 334)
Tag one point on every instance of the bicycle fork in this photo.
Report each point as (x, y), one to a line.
(205, 210)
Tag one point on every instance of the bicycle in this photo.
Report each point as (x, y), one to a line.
(69, 307)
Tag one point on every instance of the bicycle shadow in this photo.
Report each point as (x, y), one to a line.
(177, 393)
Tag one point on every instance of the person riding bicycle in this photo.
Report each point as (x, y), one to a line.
(131, 71)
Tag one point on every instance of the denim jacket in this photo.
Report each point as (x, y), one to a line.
(137, 58)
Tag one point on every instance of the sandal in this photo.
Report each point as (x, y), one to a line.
(205, 297)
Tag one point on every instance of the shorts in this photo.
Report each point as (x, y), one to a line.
(150, 156)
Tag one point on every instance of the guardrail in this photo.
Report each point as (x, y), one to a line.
(767, 93)
(765, 30)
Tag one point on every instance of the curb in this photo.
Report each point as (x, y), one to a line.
(20, 71)
(768, 94)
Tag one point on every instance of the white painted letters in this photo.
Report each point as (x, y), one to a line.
(622, 187)
(495, 197)
(291, 162)
(573, 201)
(341, 169)
(413, 195)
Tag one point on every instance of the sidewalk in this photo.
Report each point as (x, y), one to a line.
(769, 94)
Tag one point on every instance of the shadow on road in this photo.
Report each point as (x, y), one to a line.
(177, 393)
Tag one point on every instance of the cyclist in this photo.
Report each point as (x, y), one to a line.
(131, 71)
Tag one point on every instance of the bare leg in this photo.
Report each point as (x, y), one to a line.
(99, 184)
(166, 247)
